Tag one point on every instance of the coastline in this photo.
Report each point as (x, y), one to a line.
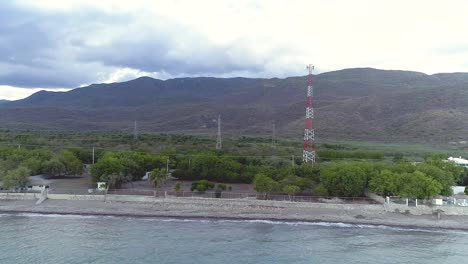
(221, 209)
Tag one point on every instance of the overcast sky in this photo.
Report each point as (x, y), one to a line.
(57, 44)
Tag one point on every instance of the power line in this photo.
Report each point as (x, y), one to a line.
(135, 131)
(164, 154)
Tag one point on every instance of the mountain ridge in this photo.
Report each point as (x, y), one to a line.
(359, 103)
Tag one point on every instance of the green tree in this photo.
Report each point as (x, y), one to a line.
(418, 185)
(53, 167)
(308, 171)
(386, 183)
(320, 190)
(34, 165)
(16, 178)
(71, 163)
(344, 179)
(403, 166)
(291, 190)
(302, 183)
(158, 177)
(265, 185)
(210, 166)
(444, 177)
(447, 166)
(134, 165)
(104, 168)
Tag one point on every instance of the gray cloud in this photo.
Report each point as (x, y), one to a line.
(155, 51)
(65, 44)
(41, 48)
(35, 50)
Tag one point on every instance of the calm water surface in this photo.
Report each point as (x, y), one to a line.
(31, 238)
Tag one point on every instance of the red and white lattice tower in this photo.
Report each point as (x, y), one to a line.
(308, 155)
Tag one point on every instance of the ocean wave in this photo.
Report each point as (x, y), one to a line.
(302, 223)
(248, 221)
(49, 215)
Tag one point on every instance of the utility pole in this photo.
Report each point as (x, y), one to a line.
(167, 168)
(293, 162)
(273, 135)
(93, 155)
(135, 131)
(219, 143)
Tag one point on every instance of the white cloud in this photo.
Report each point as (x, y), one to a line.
(126, 74)
(15, 93)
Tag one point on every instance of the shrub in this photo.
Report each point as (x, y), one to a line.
(264, 184)
(466, 190)
(177, 187)
(202, 186)
(16, 178)
(320, 191)
(291, 189)
(220, 187)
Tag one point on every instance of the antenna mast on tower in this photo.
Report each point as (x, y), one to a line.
(308, 155)
(219, 143)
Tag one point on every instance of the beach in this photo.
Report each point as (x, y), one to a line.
(237, 209)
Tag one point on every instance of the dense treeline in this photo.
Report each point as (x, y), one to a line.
(421, 180)
(16, 165)
(327, 154)
(350, 179)
(335, 177)
(82, 143)
(214, 167)
(431, 177)
(116, 168)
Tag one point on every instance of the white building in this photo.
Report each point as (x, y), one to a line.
(459, 161)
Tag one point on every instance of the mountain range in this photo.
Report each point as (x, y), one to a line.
(350, 104)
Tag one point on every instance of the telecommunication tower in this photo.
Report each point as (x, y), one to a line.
(219, 143)
(308, 154)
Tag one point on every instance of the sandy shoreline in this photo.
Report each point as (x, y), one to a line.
(234, 210)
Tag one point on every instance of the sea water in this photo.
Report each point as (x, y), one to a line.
(34, 238)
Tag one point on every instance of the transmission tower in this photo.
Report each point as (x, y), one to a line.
(308, 155)
(219, 143)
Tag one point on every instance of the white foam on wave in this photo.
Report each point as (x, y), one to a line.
(301, 223)
(253, 221)
(428, 230)
(49, 215)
